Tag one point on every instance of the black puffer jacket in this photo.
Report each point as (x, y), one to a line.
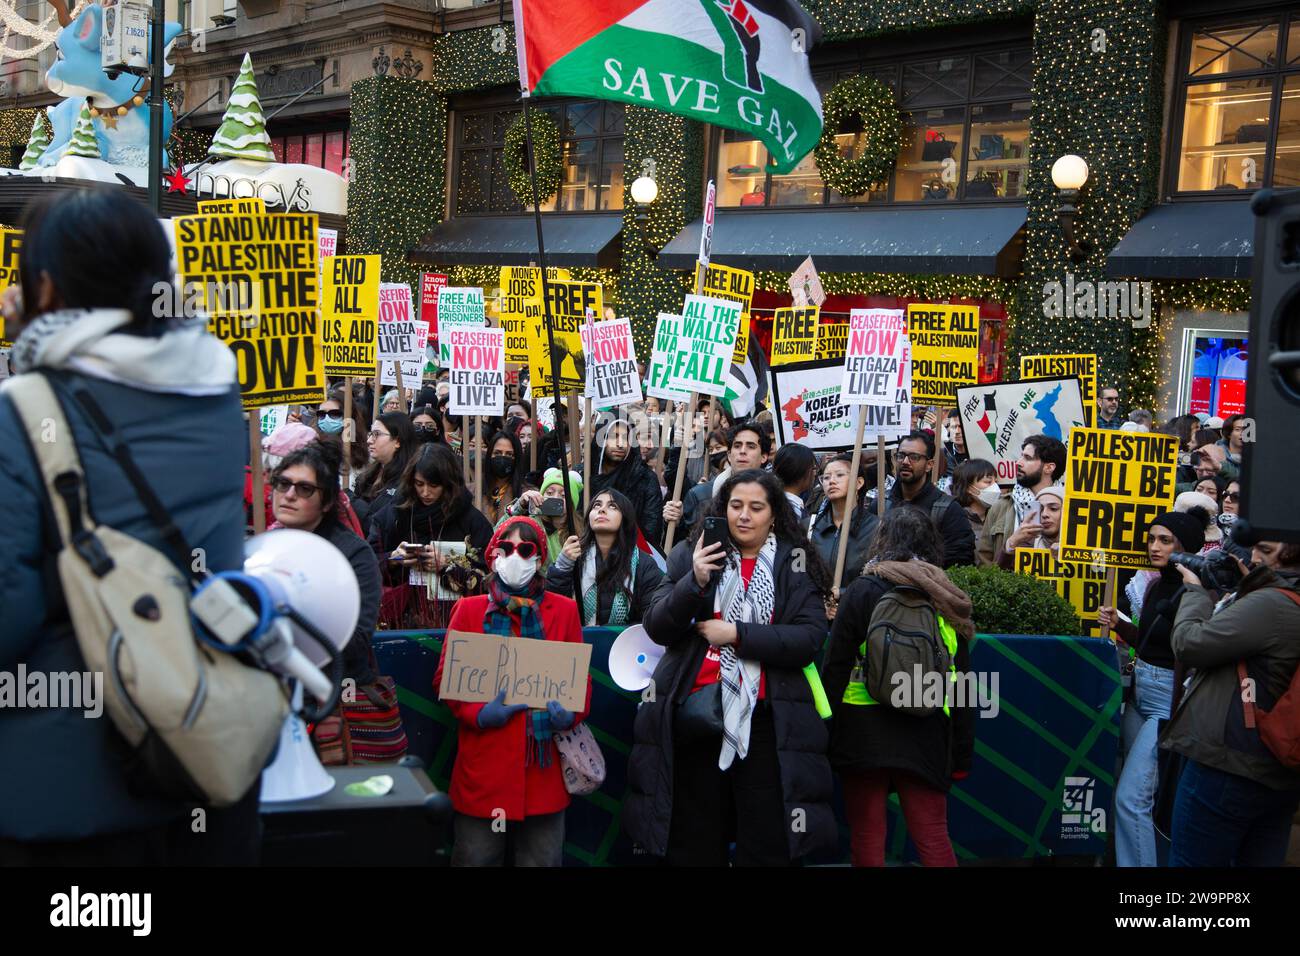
(784, 647)
(825, 537)
(634, 478)
(358, 657)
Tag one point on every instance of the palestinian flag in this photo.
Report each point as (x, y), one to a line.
(742, 64)
(988, 423)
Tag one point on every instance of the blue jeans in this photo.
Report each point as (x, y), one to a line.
(1222, 819)
(1135, 794)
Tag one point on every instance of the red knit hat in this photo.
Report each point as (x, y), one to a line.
(503, 530)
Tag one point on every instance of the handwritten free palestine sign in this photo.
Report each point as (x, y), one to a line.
(477, 667)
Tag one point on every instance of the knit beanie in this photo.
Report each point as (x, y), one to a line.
(553, 476)
(1188, 527)
(1195, 499)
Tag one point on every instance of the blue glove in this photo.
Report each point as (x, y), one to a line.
(561, 719)
(497, 714)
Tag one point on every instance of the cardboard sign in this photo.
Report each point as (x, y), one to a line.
(997, 417)
(571, 303)
(430, 283)
(350, 307)
(724, 282)
(703, 353)
(477, 371)
(253, 206)
(945, 351)
(257, 278)
(612, 377)
(806, 285)
(794, 335)
(832, 340)
(1082, 366)
(876, 367)
(477, 667)
(521, 305)
(1117, 483)
(398, 337)
(328, 240)
(806, 406)
(11, 243)
(412, 371)
(459, 307)
(1083, 585)
(668, 330)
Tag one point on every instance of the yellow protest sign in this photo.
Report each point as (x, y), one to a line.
(724, 282)
(1083, 585)
(1117, 483)
(945, 351)
(832, 340)
(252, 207)
(794, 335)
(521, 305)
(1080, 366)
(571, 302)
(11, 243)
(255, 276)
(350, 309)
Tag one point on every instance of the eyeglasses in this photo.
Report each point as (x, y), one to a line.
(1232, 496)
(305, 489)
(378, 434)
(329, 413)
(525, 549)
(912, 456)
(423, 428)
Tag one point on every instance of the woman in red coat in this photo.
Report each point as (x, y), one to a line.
(507, 787)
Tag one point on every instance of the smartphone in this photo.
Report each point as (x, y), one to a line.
(553, 507)
(1034, 513)
(716, 532)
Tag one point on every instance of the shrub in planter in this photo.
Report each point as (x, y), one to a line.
(1008, 603)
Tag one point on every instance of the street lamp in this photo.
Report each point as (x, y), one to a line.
(1069, 174)
(644, 192)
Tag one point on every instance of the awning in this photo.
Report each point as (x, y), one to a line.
(1187, 240)
(586, 239)
(925, 240)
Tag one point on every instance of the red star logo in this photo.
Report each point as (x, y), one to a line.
(176, 181)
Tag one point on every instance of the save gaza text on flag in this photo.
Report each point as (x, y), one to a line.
(734, 63)
(1117, 483)
(256, 277)
(945, 350)
(350, 308)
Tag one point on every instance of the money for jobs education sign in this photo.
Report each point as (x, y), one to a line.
(876, 368)
(1082, 585)
(571, 303)
(945, 351)
(724, 282)
(459, 307)
(1117, 484)
(1081, 366)
(256, 277)
(11, 243)
(794, 335)
(997, 417)
(477, 667)
(521, 305)
(477, 374)
(703, 354)
(668, 330)
(350, 307)
(806, 406)
(612, 378)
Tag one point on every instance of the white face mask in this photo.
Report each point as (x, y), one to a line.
(990, 495)
(515, 572)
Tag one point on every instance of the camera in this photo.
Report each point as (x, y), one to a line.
(1217, 569)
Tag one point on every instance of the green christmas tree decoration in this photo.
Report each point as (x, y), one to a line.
(242, 134)
(84, 142)
(37, 142)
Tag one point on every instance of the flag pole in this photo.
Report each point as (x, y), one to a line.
(546, 304)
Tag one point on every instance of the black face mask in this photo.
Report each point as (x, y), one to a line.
(717, 458)
(502, 466)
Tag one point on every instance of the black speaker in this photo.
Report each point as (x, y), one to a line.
(1270, 458)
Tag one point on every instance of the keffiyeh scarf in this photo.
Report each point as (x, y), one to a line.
(739, 604)
(591, 594)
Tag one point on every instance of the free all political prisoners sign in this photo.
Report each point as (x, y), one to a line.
(612, 378)
(477, 667)
(703, 353)
(1117, 484)
(11, 243)
(996, 418)
(256, 277)
(945, 351)
(1083, 585)
(350, 307)
(477, 374)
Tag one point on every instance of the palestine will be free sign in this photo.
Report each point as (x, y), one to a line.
(350, 303)
(1117, 483)
(258, 280)
(945, 351)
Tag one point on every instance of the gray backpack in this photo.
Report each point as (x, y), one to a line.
(904, 647)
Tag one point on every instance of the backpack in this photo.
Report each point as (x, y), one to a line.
(200, 723)
(903, 634)
(1279, 728)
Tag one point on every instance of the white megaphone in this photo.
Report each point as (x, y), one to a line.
(296, 606)
(633, 658)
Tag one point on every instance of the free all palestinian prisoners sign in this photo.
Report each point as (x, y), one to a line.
(477, 667)
(350, 306)
(256, 278)
(1117, 484)
(945, 351)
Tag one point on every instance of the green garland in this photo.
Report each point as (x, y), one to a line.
(546, 153)
(873, 102)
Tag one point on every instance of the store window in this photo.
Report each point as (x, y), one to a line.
(966, 137)
(1238, 102)
(329, 150)
(591, 136)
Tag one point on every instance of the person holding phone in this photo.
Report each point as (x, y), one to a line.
(546, 507)
(1041, 527)
(1041, 464)
(730, 747)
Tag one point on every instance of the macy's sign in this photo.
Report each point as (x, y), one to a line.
(223, 186)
